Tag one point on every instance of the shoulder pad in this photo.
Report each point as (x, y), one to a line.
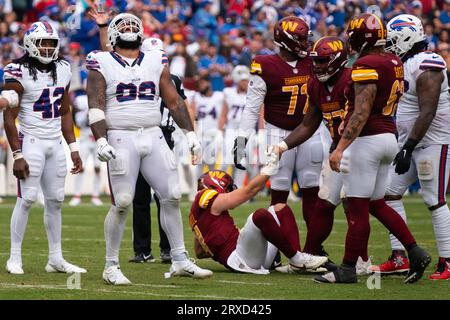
(12, 71)
(204, 200)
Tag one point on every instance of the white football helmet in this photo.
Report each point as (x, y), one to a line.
(126, 27)
(403, 31)
(150, 44)
(33, 38)
(240, 73)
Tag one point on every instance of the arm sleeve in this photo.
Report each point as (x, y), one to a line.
(256, 93)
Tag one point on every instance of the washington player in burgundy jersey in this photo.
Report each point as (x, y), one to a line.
(370, 146)
(279, 83)
(252, 250)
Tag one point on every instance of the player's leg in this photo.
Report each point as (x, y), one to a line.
(52, 182)
(27, 191)
(164, 244)
(160, 170)
(433, 166)
(142, 235)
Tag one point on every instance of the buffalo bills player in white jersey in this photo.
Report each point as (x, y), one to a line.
(423, 116)
(41, 80)
(124, 89)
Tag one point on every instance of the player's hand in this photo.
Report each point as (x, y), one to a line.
(335, 160)
(77, 163)
(194, 147)
(21, 169)
(272, 163)
(98, 14)
(239, 154)
(341, 128)
(12, 97)
(104, 151)
(402, 160)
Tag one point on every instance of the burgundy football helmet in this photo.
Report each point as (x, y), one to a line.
(292, 33)
(329, 56)
(217, 180)
(366, 31)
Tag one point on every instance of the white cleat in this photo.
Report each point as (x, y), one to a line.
(64, 267)
(114, 276)
(293, 270)
(187, 268)
(362, 267)
(14, 267)
(309, 262)
(75, 201)
(96, 201)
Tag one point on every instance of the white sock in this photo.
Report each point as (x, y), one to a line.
(173, 227)
(114, 226)
(96, 186)
(397, 205)
(52, 222)
(19, 221)
(441, 225)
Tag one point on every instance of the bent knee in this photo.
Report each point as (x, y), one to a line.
(123, 200)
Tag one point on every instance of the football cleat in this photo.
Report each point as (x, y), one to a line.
(292, 270)
(362, 267)
(396, 264)
(75, 201)
(14, 267)
(114, 276)
(141, 258)
(165, 256)
(442, 270)
(308, 261)
(276, 261)
(419, 260)
(64, 267)
(343, 274)
(96, 201)
(187, 268)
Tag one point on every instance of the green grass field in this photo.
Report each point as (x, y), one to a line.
(83, 244)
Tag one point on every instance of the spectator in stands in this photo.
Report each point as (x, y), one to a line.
(214, 67)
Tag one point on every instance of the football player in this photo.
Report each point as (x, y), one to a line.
(207, 107)
(124, 91)
(279, 82)
(41, 79)
(422, 118)
(252, 249)
(370, 146)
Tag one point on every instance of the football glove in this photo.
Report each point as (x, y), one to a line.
(195, 147)
(239, 154)
(402, 160)
(105, 152)
(12, 97)
(272, 163)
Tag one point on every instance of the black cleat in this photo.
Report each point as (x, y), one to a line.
(419, 259)
(164, 256)
(329, 265)
(343, 274)
(141, 258)
(276, 261)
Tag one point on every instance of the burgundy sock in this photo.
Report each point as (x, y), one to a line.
(393, 222)
(264, 220)
(365, 254)
(320, 226)
(289, 226)
(309, 199)
(278, 196)
(358, 229)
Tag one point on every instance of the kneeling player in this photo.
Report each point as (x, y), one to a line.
(253, 249)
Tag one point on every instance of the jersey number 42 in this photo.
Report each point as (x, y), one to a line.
(49, 110)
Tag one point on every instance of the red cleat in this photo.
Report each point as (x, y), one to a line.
(442, 270)
(396, 264)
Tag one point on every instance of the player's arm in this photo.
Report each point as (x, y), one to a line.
(101, 18)
(254, 100)
(200, 253)
(68, 133)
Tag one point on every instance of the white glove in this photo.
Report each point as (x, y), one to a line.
(104, 151)
(272, 163)
(194, 147)
(12, 97)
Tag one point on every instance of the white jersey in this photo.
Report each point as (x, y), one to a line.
(408, 107)
(39, 108)
(236, 102)
(208, 110)
(132, 88)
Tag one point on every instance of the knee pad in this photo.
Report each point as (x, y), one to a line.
(261, 217)
(173, 194)
(56, 195)
(29, 194)
(316, 153)
(123, 200)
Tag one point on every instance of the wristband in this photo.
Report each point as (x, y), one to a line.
(410, 145)
(283, 146)
(17, 154)
(102, 25)
(74, 147)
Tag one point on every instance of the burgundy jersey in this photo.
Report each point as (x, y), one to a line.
(217, 234)
(386, 71)
(286, 89)
(331, 103)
